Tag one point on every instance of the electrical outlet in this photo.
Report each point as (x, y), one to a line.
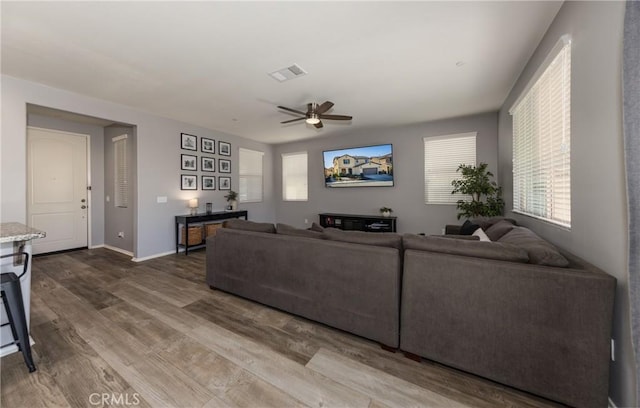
(120, 234)
(306, 221)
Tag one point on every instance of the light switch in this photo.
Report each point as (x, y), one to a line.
(161, 199)
(108, 198)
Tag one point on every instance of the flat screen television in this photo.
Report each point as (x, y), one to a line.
(367, 166)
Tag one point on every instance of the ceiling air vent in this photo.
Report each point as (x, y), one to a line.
(288, 73)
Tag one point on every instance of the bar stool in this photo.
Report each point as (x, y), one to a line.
(13, 304)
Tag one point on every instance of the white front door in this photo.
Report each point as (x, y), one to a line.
(57, 201)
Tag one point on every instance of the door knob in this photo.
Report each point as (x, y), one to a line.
(83, 207)
(83, 200)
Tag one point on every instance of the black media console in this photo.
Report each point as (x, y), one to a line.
(370, 223)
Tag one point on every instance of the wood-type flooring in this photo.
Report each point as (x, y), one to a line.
(111, 332)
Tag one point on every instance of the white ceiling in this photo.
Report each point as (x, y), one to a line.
(206, 63)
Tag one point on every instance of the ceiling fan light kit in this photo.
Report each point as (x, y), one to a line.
(314, 114)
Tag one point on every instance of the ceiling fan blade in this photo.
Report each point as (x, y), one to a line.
(324, 107)
(292, 110)
(336, 117)
(293, 120)
(318, 125)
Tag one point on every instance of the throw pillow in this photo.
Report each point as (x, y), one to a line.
(384, 239)
(316, 227)
(284, 229)
(463, 247)
(468, 228)
(497, 230)
(486, 222)
(481, 235)
(249, 226)
(540, 251)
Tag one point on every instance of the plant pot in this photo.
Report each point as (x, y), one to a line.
(386, 214)
(233, 204)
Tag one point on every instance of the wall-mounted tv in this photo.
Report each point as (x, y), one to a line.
(367, 166)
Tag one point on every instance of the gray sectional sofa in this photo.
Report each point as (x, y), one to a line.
(515, 310)
(349, 286)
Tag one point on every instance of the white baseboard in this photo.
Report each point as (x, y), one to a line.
(96, 246)
(6, 350)
(611, 404)
(146, 258)
(116, 249)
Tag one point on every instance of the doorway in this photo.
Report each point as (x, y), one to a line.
(57, 188)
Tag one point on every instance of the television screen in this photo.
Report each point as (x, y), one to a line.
(368, 166)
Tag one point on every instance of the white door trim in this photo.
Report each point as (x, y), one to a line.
(89, 191)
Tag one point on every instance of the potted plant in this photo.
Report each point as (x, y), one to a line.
(476, 182)
(232, 199)
(386, 211)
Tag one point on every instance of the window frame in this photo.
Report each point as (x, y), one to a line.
(555, 173)
(306, 174)
(453, 173)
(249, 175)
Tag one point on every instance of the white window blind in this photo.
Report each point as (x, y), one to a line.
(442, 156)
(294, 177)
(542, 142)
(250, 176)
(121, 172)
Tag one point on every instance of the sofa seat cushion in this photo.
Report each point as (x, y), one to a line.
(479, 249)
(383, 239)
(540, 251)
(285, 229)
(249, 226)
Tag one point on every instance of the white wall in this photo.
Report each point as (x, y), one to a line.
(598, 218)
(406, 197)
(157, 161)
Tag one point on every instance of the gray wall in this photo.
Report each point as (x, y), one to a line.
(598, 218)
(406, 197)
(117, 219)
(157, 161)
(96, 158)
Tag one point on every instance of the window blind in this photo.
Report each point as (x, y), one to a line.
(295, 177)
(250, 175)
(121, 172)
(442, 156)
(542, 142)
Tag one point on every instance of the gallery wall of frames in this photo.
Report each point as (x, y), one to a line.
(206, 159)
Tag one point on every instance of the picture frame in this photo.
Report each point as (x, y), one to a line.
(224, 166)
(188, 142)
(208, 182)
(224, 149)
(208, 164)
(224, 183)
(188, 162)
(188, 182)
(207, 145)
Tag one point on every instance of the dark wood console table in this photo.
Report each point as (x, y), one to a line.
(199, 219)
(370, 223)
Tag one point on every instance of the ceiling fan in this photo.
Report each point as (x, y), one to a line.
(314, 113)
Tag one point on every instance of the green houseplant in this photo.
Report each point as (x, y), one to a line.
(232, 199)
(476, 182)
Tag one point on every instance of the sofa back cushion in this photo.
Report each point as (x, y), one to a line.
(285, 229)
(383, 239)
(540, 251)
(249, 226)
(479, 249)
